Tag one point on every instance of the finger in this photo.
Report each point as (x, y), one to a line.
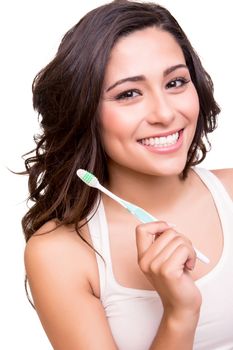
(170, 236)
(181, 255)
(155, 247)
(145, 235)
(173, 258)
(162, 240)
(191, 261)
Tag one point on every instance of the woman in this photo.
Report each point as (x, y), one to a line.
(126, 98)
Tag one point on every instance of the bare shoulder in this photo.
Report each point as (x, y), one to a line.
(59, 250)
(226, 177)
(63, 275)
(53, 238)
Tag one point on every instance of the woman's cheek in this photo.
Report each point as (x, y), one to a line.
(191, 104)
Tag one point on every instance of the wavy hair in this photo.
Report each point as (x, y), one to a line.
(66, 95)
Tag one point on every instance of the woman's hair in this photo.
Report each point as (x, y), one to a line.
(66, 95)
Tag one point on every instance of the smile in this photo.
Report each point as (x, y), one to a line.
(163, 141)
(164, 144)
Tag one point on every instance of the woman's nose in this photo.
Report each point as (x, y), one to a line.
(161, 111)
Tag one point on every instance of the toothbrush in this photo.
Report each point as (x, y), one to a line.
(142, 215)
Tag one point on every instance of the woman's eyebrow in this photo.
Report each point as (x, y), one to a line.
(121, 81)
(173, 68)
(143, 78)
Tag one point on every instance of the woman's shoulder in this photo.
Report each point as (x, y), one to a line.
(59, 250)
(226, 177)
(54, 238)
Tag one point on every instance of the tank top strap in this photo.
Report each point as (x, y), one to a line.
(98, 230)
(215, 186)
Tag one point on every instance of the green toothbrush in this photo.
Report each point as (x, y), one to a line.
(142, 215)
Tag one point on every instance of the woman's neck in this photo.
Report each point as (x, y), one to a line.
(153, 193)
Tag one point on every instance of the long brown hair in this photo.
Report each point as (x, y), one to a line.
(66, 95)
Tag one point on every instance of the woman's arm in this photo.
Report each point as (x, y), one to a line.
(176, 332)
(165, 257)
(59, 268)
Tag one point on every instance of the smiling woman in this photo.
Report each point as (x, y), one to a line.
(147, 84)
(127, 98)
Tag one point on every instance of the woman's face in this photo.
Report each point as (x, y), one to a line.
(149, 108)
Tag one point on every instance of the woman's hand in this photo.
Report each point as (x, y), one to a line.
(166, 258)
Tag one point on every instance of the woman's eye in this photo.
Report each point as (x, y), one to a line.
(176, 83)
(128, 95)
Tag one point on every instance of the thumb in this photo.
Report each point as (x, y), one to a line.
(146, 234)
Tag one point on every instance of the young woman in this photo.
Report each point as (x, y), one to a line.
(126, 98)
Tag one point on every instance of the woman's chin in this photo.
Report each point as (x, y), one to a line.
(170, 168)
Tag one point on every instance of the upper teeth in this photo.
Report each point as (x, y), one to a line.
(161, 141)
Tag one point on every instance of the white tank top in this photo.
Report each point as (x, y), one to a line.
(134, 314)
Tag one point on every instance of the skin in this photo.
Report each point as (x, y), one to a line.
(152, 106)
(62, 269)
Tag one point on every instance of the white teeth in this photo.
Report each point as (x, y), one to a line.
(151, 141)
(163, 141)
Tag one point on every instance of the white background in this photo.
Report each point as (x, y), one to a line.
(30, 33)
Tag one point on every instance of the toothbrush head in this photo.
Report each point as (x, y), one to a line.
(88, 178)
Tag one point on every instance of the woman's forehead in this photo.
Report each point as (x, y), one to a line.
(142, 49)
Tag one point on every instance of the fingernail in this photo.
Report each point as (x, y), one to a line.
(171, 225)
(189, 266)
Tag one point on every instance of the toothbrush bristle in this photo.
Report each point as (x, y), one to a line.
(87, 177)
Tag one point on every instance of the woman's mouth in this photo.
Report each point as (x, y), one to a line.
(164, 144)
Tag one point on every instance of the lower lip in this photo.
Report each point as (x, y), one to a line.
(167, 149)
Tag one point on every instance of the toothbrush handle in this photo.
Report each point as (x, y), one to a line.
(201, 256)
(145, 217)
(141, 214)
